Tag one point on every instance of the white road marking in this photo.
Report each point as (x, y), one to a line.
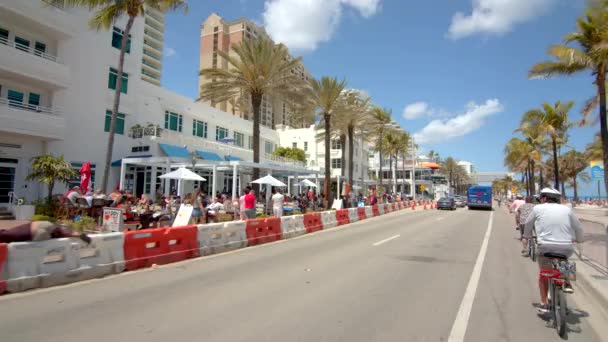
(386, 240)
(461, 322)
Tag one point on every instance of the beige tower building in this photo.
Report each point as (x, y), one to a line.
(152, 64)
(219, 35)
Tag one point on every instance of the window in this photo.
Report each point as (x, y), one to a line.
(22, 43)
(76, 180)
(173, 121)
(120, 122)
(336, 145)
(34, 99)
(113, 77)
(336, 163)
(220, 133)
(268, 147)
(306, 146)
(199, 129)
(239, 139)
(294, 145)
(15, 96)
(140, 148)
(40, 48)
(3, 36)
(117, 35)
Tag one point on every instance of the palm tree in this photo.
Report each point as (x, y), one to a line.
(107, 12)
(325, 95)
(519, 156)
(258, 67)
(594, 149)
(449, 168)
(590, 54)
(574, 163)
(353, 118)
(553, 120)
(533, 130)
(381, 118)
(48, 169)
(391, 147)
(404, 146)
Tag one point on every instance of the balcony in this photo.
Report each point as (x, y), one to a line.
(158, 28)
(26, 62)
(46, 16)
(154, 133)
(153, 36)
(38, 121)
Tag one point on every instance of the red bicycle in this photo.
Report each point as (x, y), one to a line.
(562, 271)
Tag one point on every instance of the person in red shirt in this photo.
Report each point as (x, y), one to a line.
(249, 203)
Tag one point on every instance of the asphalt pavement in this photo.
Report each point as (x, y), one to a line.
(406, 276)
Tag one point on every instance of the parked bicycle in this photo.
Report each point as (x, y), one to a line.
(562, 272)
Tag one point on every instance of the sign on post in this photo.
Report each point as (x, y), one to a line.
(112, 220)
(597, 169)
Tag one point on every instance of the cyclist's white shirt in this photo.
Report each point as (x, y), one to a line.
(555, 224)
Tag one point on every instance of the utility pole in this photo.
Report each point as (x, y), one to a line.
(413, 170)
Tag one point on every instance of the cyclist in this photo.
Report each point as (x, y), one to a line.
(557, 228)
(522, 214)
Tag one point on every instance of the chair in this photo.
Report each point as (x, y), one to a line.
(97, 206)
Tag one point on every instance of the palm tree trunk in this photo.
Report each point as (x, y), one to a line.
(379, 147)
(574, 186)
(540, 176)
(555, 163)
(343, 155)
(327, 119)
(563, 188)
(51, 185)
(351, 153)
(116, 104)
(390, 170)
(601, 86)
(256, 104)
(532, 180)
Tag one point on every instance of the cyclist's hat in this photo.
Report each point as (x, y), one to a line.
(550, 193)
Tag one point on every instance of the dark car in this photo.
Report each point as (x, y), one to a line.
(446, 203)
(461, 201)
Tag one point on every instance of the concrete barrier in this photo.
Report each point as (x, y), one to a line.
(353, 215)
(292, 226)
(369, 212)
(215, 238)
(328, 218)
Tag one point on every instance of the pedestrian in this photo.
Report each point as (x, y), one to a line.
(242, 209)
(250, 203)
(277, 203)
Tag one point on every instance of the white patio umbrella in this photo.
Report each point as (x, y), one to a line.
(306, 182)
(269, 180)
(182, 174)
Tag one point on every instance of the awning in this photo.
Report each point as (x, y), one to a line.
(232, 158)
(117, 162)
(175, 151)
(209, 156)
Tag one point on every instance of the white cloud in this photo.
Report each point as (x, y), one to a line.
(496, 16)
(442, 130)
(303, 24)
(416, 110)
(169, 52)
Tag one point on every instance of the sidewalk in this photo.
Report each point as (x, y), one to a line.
(595, 245)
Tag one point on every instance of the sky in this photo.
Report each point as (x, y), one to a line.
(453, 72)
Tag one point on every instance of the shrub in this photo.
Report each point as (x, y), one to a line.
(39, 217)
(85, 222)
(262, 216)
(43, 207)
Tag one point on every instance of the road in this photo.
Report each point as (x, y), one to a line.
(399, 277)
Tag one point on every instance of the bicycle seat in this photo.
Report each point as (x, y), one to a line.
(555, 256)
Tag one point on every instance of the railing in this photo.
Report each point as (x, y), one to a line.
(153, 25)
(180, 139)
(150, 55)
(26, 106)
(30, 50)
(153, 16)
(155, 67)
(158, 47)
(153, 35)
(144, 72)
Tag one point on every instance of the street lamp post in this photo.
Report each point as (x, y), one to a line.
(413, 170)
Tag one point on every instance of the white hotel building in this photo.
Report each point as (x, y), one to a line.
(56, 80)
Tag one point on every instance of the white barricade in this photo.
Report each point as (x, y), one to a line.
(216, 238)
(292, 226)
(37, 264)
(381, 209)
(328, 218)
(369, 212)
(353, 215)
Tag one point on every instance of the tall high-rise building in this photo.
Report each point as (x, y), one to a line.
(152, 64)
(220, 35)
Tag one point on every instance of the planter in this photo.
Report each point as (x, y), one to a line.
(23, 212)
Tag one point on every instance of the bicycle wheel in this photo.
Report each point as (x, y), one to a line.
(559, 311)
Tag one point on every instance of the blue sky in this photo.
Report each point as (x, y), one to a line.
(459, 66)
